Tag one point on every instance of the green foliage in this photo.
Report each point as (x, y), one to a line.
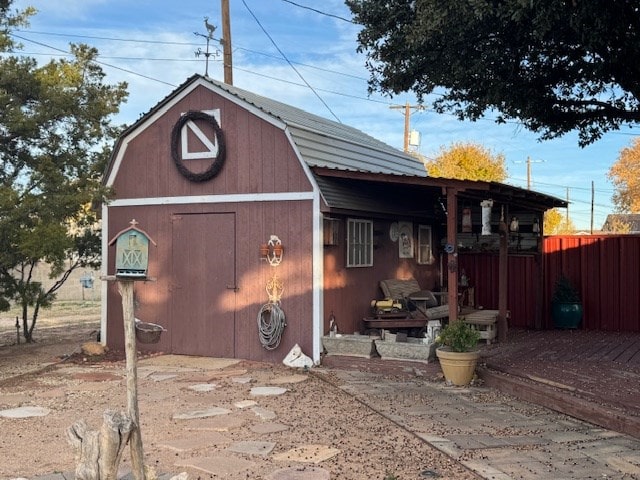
(467, 161)
(554, 66)
(55, 139)
(564, 291)
(459, 336)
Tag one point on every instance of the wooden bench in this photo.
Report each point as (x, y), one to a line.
(485, 321)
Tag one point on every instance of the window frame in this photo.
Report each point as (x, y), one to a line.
(425, 240)
(360, 253)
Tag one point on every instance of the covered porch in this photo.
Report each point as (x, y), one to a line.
(467, 219)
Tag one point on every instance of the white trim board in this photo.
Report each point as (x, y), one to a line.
(231, 198)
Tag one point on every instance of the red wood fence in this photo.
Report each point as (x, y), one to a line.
(604, 268)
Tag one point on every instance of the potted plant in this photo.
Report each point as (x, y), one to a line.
(458, 353)
(566, 307)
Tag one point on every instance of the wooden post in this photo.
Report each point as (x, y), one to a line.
(503, 282)
(125, 287)
(452, 258)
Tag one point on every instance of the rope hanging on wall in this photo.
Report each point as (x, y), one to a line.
(217, 163)
(271, 318)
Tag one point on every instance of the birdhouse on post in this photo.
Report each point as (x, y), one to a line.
(132, 252)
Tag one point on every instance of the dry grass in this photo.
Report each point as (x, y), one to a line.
(63, 314)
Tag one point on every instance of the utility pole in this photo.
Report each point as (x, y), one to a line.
(226, 43)
(529, 162)
(407, 122)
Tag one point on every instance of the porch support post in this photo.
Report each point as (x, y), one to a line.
(452, 258)
(503, 283)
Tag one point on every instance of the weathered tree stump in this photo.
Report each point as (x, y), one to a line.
(98, 452)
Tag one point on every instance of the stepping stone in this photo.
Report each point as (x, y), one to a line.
(308, 454)
(241, 379)
(304, 472)
(222, 423)
(251, 447)
(161, 377)
(203, 387)
(289, 379)
(14, 398)
(55, 393)
(267, 391)
(219, 466)
(96, 376)
(237, 372)
(245, 404)
(25, 412)
(209, 412)
(265, 428)
(264, 414)
(195, 442)
(184, 361)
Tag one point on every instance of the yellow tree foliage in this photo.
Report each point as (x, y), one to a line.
(625, 175)
(467, 161)
(557, 223)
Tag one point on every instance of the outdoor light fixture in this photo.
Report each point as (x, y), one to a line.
(514, 226)
(466, 220)
(536, 226)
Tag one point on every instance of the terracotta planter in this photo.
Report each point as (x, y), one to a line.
(458, 367)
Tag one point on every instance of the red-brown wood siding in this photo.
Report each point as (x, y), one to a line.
(259, 157)
(348, 291)
(254, 223)
(605, 270)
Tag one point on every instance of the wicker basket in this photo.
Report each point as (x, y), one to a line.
(148, 332)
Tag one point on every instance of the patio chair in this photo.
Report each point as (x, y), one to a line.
(420, 302)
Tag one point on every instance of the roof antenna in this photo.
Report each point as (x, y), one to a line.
(209, 36)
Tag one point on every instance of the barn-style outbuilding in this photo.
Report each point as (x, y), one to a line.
(250, 201)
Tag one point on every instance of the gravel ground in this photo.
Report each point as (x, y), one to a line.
(313, 410)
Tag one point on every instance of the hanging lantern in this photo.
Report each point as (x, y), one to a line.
(536, 226)
(514, 226)
(466, 220)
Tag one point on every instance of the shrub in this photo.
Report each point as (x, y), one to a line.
(459, 336)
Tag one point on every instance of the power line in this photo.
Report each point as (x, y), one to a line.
(126, 70)
(268, 55)
(320, 11)
(191, 44)
(290, 64)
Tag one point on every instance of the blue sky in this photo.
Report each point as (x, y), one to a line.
(151, 45)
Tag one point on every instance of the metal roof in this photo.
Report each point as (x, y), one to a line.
(327, 143)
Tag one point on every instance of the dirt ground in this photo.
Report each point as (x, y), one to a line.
(53, 374)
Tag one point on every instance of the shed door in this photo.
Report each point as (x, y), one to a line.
(203, 284)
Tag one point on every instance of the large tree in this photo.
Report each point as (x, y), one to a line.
(55, 138)
(554, 65)
(625, 175)
(467, 161)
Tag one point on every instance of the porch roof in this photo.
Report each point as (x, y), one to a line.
(418, 196)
